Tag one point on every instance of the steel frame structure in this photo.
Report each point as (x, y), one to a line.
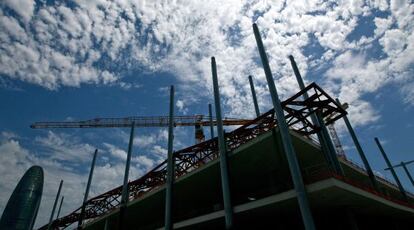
(297, 111)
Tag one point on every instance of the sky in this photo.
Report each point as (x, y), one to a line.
(78, 60)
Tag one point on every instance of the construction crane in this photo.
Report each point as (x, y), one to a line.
(296, 111)
(334, 135)
(198, 121)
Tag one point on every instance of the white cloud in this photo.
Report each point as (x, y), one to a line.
(408, 93)
(144, 162)
(393, 42)
(116, 152)
(6, 135)
(162, 152)
(382, 25)
(181, 107)
(61, 146)
(143, 141)
(128, 86)
(22, 7)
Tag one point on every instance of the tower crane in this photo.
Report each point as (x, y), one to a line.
(198, 121)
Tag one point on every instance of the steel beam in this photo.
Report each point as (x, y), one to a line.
(210, 113)
(88, 185)
(170, 165)
(400, 165)
(360, 151)
(391, 168)
(60, 207)
(286, 139)
(224, 171)
(125, 193)
(54, 205)
(404, 165)
(256, 106)
(323, 135)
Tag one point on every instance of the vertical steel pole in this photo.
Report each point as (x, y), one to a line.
(60, 207)
(323, 135)
(360, 151)
(407, 172)
(106, 226)
(256, 106)
(225, 186)
(88, 185)
(170, 165)
(286, 139)
(352, 220)
(391, 168)
(210, 113)
(125, 192)
(54, 205)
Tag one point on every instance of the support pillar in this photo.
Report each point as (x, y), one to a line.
(407, 172)
(360, 151)
(60, 207)
(353, 224)
(125, 192)
(106, 226)
(224, 171)
(323, 135)
(170, 165)
(286, 139)
(256, 105)
(210, 113)
(88, 185)
(54, 205)
(391, 168)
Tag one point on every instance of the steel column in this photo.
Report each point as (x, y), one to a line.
(210, 113)
(88, 185)
(286, 139)
(60, 207)
(360, 151)
(323, 135)
(125, 193)
(224, 171)
(54, 205)
(170, 165)
(256, 106)
(305, 96)
(391, 168)
(352, 220)
(106, 226)
(407, 172)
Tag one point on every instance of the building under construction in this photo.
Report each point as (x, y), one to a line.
(281, 170)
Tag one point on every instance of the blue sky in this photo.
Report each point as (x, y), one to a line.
(87, 59)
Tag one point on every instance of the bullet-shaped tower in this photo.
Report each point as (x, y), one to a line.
(23, 205)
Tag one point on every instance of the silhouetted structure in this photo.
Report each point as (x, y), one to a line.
(23, 205)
